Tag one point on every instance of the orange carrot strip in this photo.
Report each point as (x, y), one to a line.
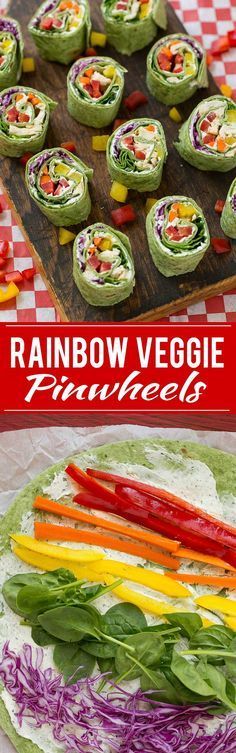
(65, 533)
(190, 554)
(206, 580)
(55, 508)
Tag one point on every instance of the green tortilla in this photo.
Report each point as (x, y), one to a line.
(173, 254)
(136, 155)
(18, 136)
(228, 217)
(173, 82)
(106, 276)
(68, 35)
(213, 118)
(11, 52)
(101, 111)
(131, 30)
(221, 465)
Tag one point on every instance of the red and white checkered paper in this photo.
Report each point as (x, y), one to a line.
(206, 20)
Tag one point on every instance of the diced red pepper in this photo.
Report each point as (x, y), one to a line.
(205, 125)
(135, 100)
(14, 276)
(12, 115)
(23, 117)
(219, 46)
(123, 215)
(48, 187)
(94, 262)
(219, 206)
(105, 266)
(90, 52)
(28, 274)
(117, 123)
(46, 24)
(164, 62)
(69, 145)
(221, 245)
(25, 158)
(57, 23)
(139, 154)
(4, 249)
(232, 38)
(211, 116)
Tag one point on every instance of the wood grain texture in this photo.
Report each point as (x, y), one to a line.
(154, 295)
(211, 422)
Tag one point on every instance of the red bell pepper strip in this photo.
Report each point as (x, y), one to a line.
(92, 485)
(221, 245)
(28, 274)
(123, 215)
(135, 100)
(14, 276)
(69, 145)
(232, 38)
(219, 206)
(219, 46)
(4, 249)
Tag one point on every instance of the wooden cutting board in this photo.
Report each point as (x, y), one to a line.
(155, 296)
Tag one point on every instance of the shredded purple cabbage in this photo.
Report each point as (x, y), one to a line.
(79, 716)
(9, 25)
(121, 131)
(159, 217)
(39, 161)
(80, 65)
(6, 98)
(45, 9)
(234, 202)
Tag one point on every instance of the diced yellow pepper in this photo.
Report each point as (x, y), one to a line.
(190, 70)
(12, 291)
(109, 71)
(147, 578)
(186, 210)
(119, 192)
(59, 552)
(77, 177)
(188, 57)
(230, 622)
(62, 169)
(231, 116)
(217, 604)
(97, 39)
(6, 44)
(153, 606)
(28, 65)
(149, 204)
(175, 115)
(105, 244)
(65, 236)
(226, 90)
(99, 143)
(144, 11)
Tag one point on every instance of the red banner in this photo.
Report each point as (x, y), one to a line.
(144, 367)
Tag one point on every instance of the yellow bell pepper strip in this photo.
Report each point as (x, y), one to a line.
(206, 580)
(99, 143)
(190, 554)
(119, 192)
(153, 606)
(230, 622)
(47, 563)
(28, 65)
(147, 578)
(66, 533)
(59, 552)
(217, 604)
(175, 115)
(65, 236)
(97, 39)
(55, 508)
(12, 291)
(149, 204)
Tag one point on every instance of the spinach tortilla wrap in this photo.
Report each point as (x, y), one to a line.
(176, 68)
(58, 183)
(228, 217)
(11, 52)
(131, 25)
(61, 29)
(207, 140)
(178, 235)
(95, 90)
(103, 265)
(136, 153)
(204, 476)
(24, 120)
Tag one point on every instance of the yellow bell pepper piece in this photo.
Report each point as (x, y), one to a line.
(62, 169)
(59, 552)
(175, 115)
(99, 143)
(149, 204)
(190, 70)
(28, 65)
(147, 578)
(12, 291)
(109, 71)
(231, 116)
(226, 90)
(217, 604)
(52, 563)
(144, 11)
(65, 236)
(6, 44)
(97, 39)
(188, 57)
(186, 210)
(77, 177)
(230, 622)
(119, 192)
(144, 602)
(105, 245)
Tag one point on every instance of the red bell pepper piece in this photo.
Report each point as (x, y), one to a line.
(118, 122)
(46, 24)
(69, 145)
(123, 215)
(90, 52)
(28, 274)
(219, 206)
(219, 46)
(221, 245)
(91, 484)
(135, 100)
(25, 158)
(4, 249)
(14, 276)
(232, 38)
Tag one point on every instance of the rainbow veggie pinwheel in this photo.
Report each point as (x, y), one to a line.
(176, 68)
(11, 52)
(58, 183)
(207, 140)
(228, 217)
(136, 153)
(95, 90)
(103, 265)
(131, 25)
(24, 119)
(178, 235)
(61, 29)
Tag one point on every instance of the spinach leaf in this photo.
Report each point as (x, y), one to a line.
(216, 637)
(42, 638)
(100, 649)
(230, 663)
(13, 585)
(188, 622)
(223, 689)
(156, 681)
(107, 665)
(148, 649)
(72, 662)
(70, 624)
(187, 673)
(124, 619)
(185, 696)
